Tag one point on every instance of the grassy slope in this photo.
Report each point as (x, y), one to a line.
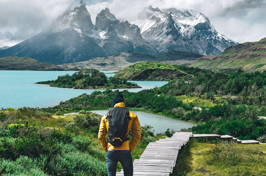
(225, 159)
(158, 71)
(25, 63)
(247, 56)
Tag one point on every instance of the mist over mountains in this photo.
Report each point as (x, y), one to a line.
(73, 37)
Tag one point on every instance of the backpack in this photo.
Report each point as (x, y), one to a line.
(118, 119)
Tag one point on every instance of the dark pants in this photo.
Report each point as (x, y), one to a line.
(124, 157)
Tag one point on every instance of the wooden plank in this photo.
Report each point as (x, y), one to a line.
(155, 161)
(226, 137)
(163, 148)
(249, 142)
(145, 174)
(156, 165)
(205, 135)
(158, 157)
(160, 153)
(153, 169)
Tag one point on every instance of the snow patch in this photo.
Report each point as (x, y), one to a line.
(9, 43)
(144, 25)
(95, 34)
(78, 30)
(102, 34)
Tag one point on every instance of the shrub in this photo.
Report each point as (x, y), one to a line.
(82, 112)
(61, 136)
(169, 133)
(31, 146)
(22, 166)
(77, 163)
(90, 122)
(68, 148)
(149, 139)
(81, 143)
(146, 131)
(10, 109)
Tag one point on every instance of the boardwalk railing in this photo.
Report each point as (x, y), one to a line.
(159, 158)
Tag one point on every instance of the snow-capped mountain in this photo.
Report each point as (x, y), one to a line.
(67, 40)
(119, 36)
(188, 30)
(73, 37)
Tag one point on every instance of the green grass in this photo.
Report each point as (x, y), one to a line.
(196, 101)
(246, 56)
(135, 69)
(223, 159)
(232, 63)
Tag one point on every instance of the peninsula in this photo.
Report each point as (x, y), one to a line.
(90, 79)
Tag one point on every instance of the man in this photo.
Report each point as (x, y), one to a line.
(120, 153)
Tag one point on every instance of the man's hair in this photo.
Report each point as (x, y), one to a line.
(117, 99)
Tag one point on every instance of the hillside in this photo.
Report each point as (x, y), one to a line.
(25, 63)
(151, 71)
(249, 56)
(125, 59)
(89, 79)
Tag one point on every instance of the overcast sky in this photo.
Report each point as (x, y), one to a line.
(240, 20)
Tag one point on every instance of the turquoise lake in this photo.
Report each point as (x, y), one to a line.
(17, 88)
(159, 123)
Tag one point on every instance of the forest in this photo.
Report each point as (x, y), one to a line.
(89, 79)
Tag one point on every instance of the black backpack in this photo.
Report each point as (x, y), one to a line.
(118, 119)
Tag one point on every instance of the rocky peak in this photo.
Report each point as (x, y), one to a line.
(107, 14)
(104, 19)
(77, 19)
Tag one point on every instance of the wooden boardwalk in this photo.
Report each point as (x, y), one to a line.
(226, 137)
(159, 158)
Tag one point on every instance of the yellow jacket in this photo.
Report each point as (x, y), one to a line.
(133, 125)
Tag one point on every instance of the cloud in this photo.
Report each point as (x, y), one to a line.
(25, 18)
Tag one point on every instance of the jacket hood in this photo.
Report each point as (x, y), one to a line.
(120, 105)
